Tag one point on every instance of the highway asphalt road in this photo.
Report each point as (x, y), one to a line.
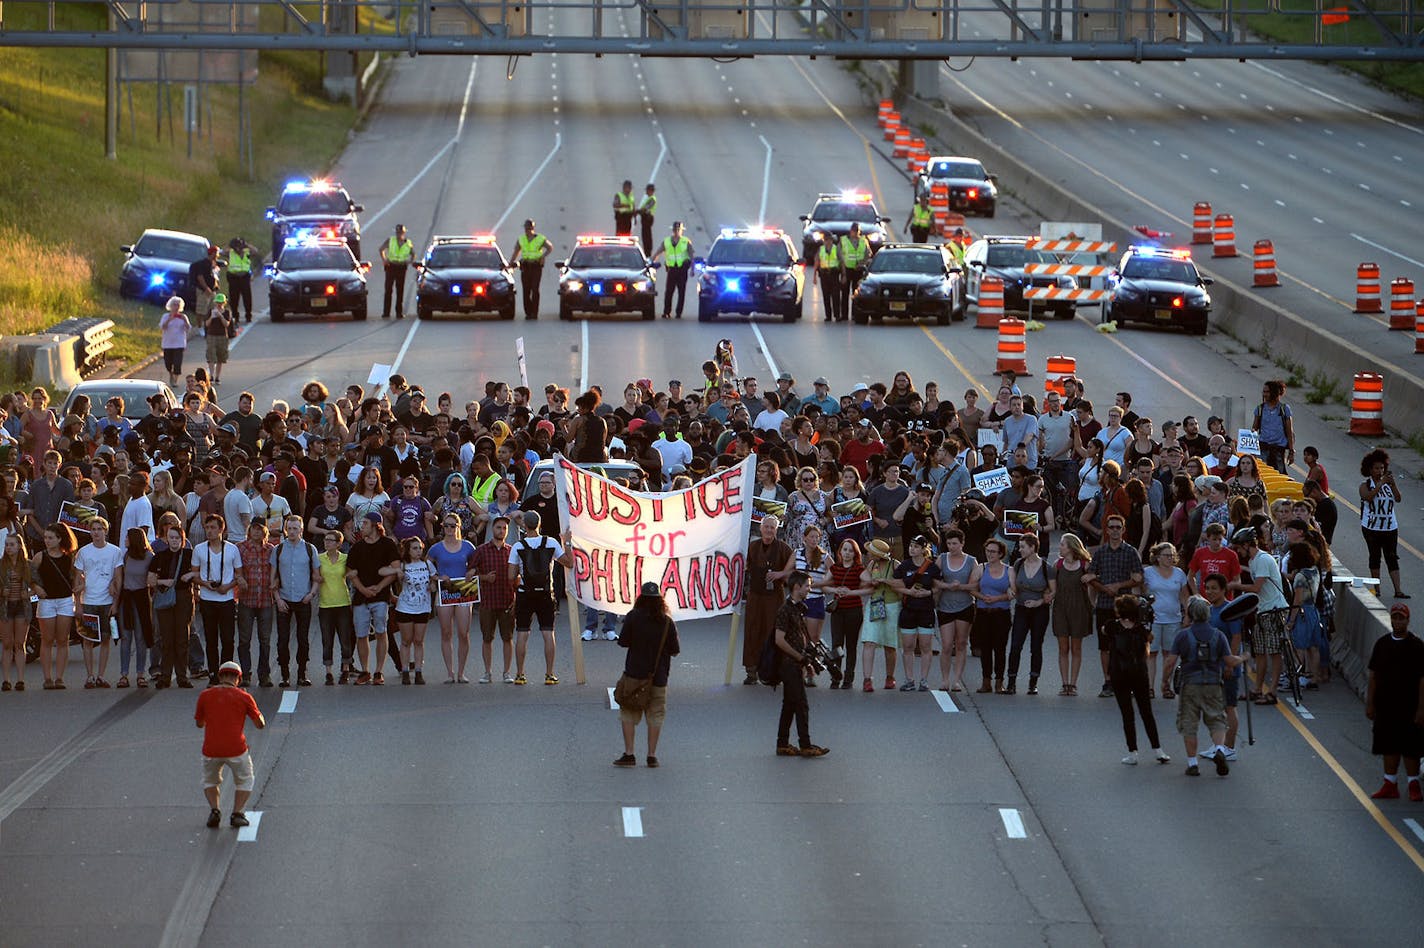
(484, 813)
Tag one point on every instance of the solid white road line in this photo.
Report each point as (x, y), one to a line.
(248, 834)
(765, 181)
(370, 221)
(946, 701)
(633, 822)
(1013, 823)
(558, 143)
(289, 702)
(662, 153)
(1387, 250)
(765, 350)
(612, 705)
(1415, 828)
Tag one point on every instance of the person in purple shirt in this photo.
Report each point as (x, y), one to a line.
(408, 511)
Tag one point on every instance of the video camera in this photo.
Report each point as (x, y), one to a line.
(819, 659)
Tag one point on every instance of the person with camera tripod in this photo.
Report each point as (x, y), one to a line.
(792, 640)
(1205, 652)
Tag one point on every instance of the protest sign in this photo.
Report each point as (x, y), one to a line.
(993, 480)
(459, 592)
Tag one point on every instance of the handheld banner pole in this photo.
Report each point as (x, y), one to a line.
(575, 623)
(732, 642)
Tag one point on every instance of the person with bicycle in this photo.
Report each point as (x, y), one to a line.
(1205, 653)
(1261, 574)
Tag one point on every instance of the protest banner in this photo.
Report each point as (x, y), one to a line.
(459, 592)
(993, 480)
(691, 542)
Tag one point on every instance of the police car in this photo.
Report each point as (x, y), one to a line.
(316, 276)
(315, 208)
(607, 275)
(910, 281)
(1005, 258)
(156, 267)
(834, 213)
(1159, 286)
(751, 270)
(972, 190)
(464, 275)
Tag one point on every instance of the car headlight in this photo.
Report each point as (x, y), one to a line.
(783, 279)
(1198, 299)
(641, 286)
(1127, 294)
(937, 291)
(573, 286)
(351, 283)
(875, 236)
(866, 289)
(815, 234)
(432, 283)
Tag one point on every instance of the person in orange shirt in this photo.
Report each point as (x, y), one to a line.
(222, 713)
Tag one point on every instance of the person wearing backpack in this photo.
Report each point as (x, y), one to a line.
(531, 564)
(1205, 652)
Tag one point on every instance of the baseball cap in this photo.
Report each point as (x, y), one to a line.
(1399, 608)
(373, 516)
(865, 422)
(651, 589)
(545, 425)
(229, 428)
(927, 488)
(267, 476)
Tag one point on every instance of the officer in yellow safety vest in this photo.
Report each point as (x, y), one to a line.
(958, 241)
(625, 208)
(239, 277)
(855, 257)
(678, 250)
(921, 219)
(828, 268)
(396, 254)
(530, 251)
(647, 209)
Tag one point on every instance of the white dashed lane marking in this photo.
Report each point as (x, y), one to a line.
(633, 822)
(248, 833)
(946, 702)
(1013, 823)
(289, 702)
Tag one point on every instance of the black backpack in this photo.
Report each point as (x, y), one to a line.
(536, 564)
(769, 664)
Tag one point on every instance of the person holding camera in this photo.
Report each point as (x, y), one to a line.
(217, 566)
(792, 640)
(1205, 653)
(1130, 635)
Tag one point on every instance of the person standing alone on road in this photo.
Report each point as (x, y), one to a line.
(650, 637)
(222, 713)
(1127, 662)
(396, 255)
(791, 640)
(625, 208)
(532, 248)
(679, 264)
(1395, 703)
(647, 210)
(239, 276)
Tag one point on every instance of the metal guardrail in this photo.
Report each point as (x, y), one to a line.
(1376, 30)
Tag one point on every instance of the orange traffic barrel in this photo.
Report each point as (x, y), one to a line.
(886, 107)
(1201, 223)
(892, 125)
(902, 142)
(1223, 236)
(1367, 404)
(1419, 326)
(1013, 347)
(991, 303)
(1367, 289)
(1059, 368)
(1265, 265)
(1401, 304)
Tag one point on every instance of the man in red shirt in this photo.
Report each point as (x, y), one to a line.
(860, 448)
(1213, 556)
(222, 713)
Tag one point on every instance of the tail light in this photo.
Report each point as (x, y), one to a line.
(331, 289)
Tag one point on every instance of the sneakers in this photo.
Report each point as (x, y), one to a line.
(610, 636)
(588, 636)
(907, 686)
(1163, 757)
(1415, 793)
(1390, 791)
(238, 819)
(364, 678)
(1231, 754)
(1130, 759)
(751, 678)
(1107, 692)
(924, 685)
(1208, 754)
(627, 760)
(405, 677)
(813, 751)
(1222, 767)
(214, 818)
(419, 677)
(520, 680)
(485, 678)
(1192, 771)
(508, 678)
(890, 683)
(786, 750)
(551, 679)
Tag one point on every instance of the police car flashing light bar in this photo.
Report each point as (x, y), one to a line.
(752, 232)
(299, 187)
(1180, 253)
(586, 239)
(472, 239)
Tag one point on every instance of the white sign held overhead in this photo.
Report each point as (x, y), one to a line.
(380, 375)
(1248, 442)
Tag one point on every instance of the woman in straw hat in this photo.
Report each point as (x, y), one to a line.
(881, 627)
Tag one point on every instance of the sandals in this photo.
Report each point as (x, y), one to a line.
(123, 682)
(1072, 691)
(1267, 699)
(142, 682)
(1168, 694)
(1065, 691)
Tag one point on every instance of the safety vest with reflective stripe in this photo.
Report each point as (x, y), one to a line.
(530, 247)
(828, 258)
(239, 264)
(623, 202)
(921, 216)
(676, 251)
(397, 251)
(649, 205)
(854, 254)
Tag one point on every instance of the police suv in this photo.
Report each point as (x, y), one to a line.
(464, 275)
(316, 208)
(751, 270)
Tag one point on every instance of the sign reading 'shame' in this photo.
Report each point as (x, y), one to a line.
(691, 542)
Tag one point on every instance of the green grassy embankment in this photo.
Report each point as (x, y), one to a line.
(66, 209)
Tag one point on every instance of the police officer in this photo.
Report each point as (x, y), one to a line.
(828, 268)
(647, 209)
(855, 257)
(532, 249)
(396, 254)
(239, 277)
(624, 210)
(958, 242)
(679, 264)
(921, 219)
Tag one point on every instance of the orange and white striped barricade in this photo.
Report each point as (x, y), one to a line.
(902, 142)
(893, 122)
(953, 221)
(1201, 223)
(1367, 404)
(1367, 289)
(1059, 368)
(1069, 246)
(1091, 279)
(1419, 326)
(1264, 265)
(990, 308)
(1013, 348)
(887, 106)
(1223, 236)
(1401, 304)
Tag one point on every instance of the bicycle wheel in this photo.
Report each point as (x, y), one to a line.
(1291, 663)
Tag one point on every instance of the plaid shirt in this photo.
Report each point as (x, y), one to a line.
(257, 571)
(1113, 566)
(498, 595)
